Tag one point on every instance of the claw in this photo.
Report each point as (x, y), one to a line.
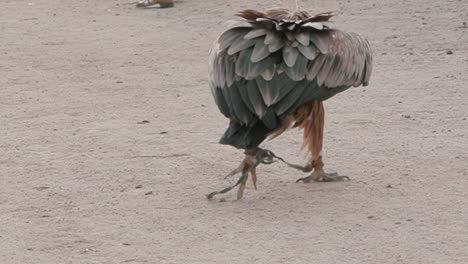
(242, 179)
(322, 176)
(329, 177)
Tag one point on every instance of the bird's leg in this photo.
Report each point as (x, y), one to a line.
(313, 138)
(253, 157)
(319, 174)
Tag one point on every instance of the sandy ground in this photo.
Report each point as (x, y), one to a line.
(84, 180)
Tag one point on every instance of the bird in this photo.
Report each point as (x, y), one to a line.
(271, 71)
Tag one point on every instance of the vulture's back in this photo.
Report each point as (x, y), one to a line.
(266, 65)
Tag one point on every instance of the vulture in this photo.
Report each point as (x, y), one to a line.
(271, 71)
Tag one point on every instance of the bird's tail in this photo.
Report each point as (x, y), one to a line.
(245, 137)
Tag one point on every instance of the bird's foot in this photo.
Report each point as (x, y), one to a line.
(320, 175)
(252, 159)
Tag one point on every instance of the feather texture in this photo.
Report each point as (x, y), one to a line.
(267, 65)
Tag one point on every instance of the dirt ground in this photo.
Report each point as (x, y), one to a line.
(108, 141)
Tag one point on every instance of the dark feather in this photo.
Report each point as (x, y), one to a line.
(290, 99)
(242, 88)
(241, 110)
(243, 61)
(255, 98)
(268, 89)
(270, 119)
(221, 102)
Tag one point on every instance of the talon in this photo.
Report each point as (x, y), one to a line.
(334, 177)
(301, 179)
(252, 159)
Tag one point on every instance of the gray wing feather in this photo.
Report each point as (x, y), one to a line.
(240, 44)
(268, 89)
(276, 45)
(303, 38)
(298, 71)
(310, 52)
(313, 25)
(271, 37)
(269, 72)
(351, 66)
(315, 67)
(257, 32)
(323, 73)
(221, 69)
(237, 24)
(250, 79)
(243, 61)
(260, 51)
(230, 71)
(290, 55)
(321, 40)
(255, 69)
(227, 38)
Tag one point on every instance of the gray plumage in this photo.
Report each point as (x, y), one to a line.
(264, 67)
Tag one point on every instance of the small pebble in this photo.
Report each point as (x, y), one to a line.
(449, 52)
(149, 193)
(139, 186)
(222, 200)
